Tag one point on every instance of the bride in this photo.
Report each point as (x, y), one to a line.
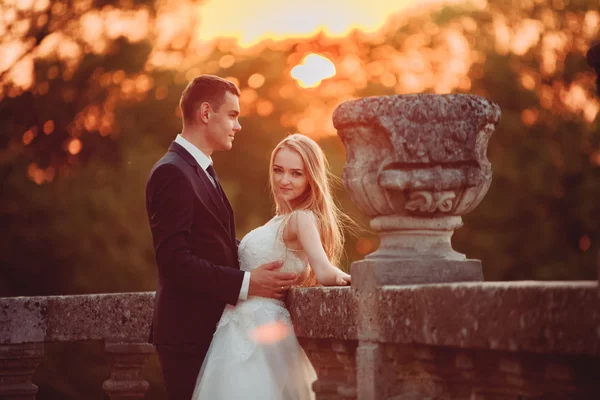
(254, 353)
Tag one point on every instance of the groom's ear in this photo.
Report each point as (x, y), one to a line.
(203, 112)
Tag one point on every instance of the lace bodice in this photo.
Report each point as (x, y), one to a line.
(265, 244)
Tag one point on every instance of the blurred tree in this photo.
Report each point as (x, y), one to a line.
(59, 127)
(538, 220)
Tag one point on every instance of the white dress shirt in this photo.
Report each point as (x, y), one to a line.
(205, 161)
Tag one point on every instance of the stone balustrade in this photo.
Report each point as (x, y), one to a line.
(525, 340)
(122, 320)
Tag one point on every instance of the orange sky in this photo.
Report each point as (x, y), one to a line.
(252, 21)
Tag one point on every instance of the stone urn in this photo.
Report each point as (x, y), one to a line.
(415, 164)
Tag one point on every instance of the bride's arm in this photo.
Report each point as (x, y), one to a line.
(308, 235)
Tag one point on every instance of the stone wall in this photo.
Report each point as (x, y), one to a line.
(527, 340)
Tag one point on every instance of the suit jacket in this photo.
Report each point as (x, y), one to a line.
(193, 231)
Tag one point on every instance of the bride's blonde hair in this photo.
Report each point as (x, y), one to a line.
(317, 198)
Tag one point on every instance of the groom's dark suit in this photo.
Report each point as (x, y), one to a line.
(193, 231)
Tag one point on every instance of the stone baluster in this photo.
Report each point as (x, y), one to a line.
(126, 360)
(330, 372)
(345, 351)
(17, 365)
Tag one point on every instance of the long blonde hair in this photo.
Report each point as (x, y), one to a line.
(318, 198)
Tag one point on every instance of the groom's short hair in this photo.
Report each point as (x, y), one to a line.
(205, 88)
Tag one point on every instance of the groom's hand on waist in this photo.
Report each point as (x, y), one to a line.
(268, 281)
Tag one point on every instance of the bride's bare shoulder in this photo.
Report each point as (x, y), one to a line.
(297, 220)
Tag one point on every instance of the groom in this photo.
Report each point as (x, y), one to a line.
(193, 230)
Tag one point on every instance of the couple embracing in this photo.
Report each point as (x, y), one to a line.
(215, 294)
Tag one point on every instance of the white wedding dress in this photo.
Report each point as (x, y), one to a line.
(254, 353)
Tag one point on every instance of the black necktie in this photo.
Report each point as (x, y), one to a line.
(211, 172)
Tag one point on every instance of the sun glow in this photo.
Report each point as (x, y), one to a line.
(313, 69)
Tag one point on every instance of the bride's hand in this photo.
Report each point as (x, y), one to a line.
(334, 277)
(342, 278)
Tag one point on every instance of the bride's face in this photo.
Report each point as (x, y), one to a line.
(289, 175)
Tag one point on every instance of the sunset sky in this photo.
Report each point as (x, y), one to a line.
(255, 20)
(441, 58)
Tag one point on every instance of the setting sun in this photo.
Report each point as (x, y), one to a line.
(312, 70)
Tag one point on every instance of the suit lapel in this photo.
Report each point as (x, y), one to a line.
(231, 217)
(218, 206)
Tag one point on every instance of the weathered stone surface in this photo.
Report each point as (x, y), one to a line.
(537, 317)
(125, 316)
(23, 319)
(546, 317)
(416, 154)
(412, 123)
(323, 312)
(101, 316)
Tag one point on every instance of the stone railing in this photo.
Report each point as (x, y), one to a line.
(526, 340)
(122, 320)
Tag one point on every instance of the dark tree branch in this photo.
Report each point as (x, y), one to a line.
(39, 37)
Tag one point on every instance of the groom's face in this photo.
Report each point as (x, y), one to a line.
(223, 123)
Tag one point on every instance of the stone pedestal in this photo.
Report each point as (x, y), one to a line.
(17, 365)
(126, 360)
(414, 271)
(407, 237)
(415, 250)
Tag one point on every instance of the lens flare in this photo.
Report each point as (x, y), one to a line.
(270, 333)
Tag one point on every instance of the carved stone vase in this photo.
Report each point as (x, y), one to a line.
(415, 164)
